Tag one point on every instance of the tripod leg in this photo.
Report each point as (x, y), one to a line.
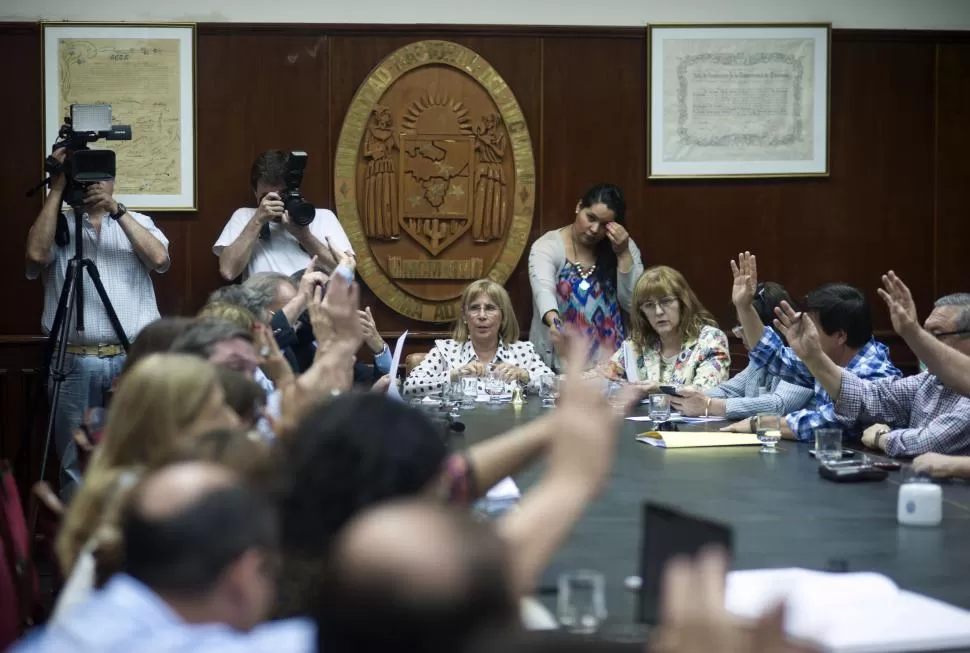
(109, 309)
(50, 349)
(64, 409)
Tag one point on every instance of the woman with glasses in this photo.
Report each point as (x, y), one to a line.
(753, 390)
(486, 335)
(674, 340)
(583, 274)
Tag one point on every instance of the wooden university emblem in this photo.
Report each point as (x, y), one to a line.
(434, 178)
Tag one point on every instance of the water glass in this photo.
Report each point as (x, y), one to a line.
(768, 428)
(549, 389)
(828, 445)
(659, 407)
(581, 605)
(451, 398)
(494, 385)
(469, 391)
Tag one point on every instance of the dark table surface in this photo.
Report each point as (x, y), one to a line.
(782, 512)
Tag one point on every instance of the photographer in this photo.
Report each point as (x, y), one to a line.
(127, 247)
(267, 239)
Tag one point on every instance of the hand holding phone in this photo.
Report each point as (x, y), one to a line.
(669, 390)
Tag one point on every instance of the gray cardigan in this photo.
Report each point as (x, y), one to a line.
(546, 258)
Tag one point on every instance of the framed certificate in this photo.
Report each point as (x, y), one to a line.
(146, 73)
(738, 100)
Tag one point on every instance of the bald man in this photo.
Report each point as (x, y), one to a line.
(431, 576)
(200, 553)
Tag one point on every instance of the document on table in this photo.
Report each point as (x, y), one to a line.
(688, 439)
(849, 613)
(677, 418)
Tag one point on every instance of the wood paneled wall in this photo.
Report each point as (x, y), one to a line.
(898, 195)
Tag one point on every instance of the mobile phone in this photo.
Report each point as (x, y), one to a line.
(888, 465)
(857, 473)
(667, 532)
(669, 390)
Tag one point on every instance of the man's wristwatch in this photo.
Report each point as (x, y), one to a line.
(880, 434)
(122, 209)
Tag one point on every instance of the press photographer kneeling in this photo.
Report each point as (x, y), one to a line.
(127, 247)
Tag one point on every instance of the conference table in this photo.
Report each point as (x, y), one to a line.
(782, 512)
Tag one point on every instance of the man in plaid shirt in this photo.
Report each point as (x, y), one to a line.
(909, 416)
(842, 315)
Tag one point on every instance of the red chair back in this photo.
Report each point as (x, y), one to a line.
(18, 580)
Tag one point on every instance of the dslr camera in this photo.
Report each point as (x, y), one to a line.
(301, 212)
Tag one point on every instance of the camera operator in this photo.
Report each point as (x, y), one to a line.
(126, 247)
(266, 239)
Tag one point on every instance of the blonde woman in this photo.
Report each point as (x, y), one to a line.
(674, 339)
(486, 334)
(165, 399)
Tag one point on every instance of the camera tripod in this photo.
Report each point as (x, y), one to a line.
(70, 308)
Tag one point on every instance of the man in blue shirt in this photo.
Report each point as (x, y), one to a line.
(200, 556)
(844, 321)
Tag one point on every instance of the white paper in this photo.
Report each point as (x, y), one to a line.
(849, 613)
(630, 359)
(504, 489)
(392, 390)
(653, 442)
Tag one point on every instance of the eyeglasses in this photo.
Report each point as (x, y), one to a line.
(488, 309)
(665, 303)
(940, 336)
(738, 331)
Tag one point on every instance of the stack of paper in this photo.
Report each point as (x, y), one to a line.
(504, 489)
(849, 613)
(685, 439)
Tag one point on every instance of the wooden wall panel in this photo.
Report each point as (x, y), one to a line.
(897, 196)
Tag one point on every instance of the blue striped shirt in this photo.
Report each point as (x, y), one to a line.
(127, 616)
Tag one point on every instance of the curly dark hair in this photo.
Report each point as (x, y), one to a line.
(351, 453)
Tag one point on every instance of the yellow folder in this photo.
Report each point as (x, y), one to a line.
(684, 439)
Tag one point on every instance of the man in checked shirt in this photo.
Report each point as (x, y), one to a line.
(126, 247)
(908, 416)
(844, 327)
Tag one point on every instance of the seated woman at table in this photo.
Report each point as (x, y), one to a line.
(583, 274)
(674, 339)
(487, 333)
(753, 390)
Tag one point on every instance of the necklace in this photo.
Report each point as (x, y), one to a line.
(584, 272)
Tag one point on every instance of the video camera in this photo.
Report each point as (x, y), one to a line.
(301, 212)
(83, 166)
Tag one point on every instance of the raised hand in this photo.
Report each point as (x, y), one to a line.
(745, 272)
(369, 329)
(800, 331)
(619, 237)
(269, 356)
(902, 309)
(340, 305)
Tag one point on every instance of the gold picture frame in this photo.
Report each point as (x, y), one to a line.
(738, 100)
(147, 73)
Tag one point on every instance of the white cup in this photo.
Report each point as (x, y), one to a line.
(920, 503)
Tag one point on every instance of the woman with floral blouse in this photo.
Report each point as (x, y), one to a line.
(486, 335)
(674, 339)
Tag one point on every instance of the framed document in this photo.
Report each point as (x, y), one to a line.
(146, 73)
(738, 100)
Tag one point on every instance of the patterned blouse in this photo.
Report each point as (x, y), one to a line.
(704, 362)
(591, 305)
(446, 355)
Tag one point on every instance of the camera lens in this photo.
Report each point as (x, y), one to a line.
(301, 212)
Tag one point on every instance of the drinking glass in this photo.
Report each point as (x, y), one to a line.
(451, 398)
(828, 444)
(469, 391)
(549, 389)
(768, 428)
(494, 385)
(659, 407)
(581, 604)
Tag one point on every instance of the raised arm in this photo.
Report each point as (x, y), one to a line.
(235, 247)
(40, 238)
(949, 365)
(745, 273)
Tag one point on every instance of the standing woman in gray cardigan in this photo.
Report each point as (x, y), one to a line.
(583, 274)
